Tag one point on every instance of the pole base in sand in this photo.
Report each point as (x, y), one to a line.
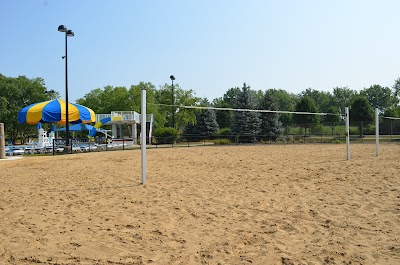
(67, 149)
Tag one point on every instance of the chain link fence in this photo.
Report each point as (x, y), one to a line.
(321, 133)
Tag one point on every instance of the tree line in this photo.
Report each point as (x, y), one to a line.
(16, 93)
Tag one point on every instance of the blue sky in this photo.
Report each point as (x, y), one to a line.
(209, 45)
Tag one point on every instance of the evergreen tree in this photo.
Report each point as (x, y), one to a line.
(205, 126)
(224, 118)
(191, 129)
(246, 124)
(207, 122)
(271, 127)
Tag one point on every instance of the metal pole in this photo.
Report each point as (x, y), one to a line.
(377, 131)
(143, 136)
(2, 142)
(66, 90)
(173, 107)
(348, 133)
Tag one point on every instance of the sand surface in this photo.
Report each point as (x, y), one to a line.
(285, 204)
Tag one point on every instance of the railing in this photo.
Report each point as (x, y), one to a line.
(99, 117)
(80, 145)
(125, 116)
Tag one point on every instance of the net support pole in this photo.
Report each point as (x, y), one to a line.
(143, 136)
(377, 131)
(2, 142)
(347, 133)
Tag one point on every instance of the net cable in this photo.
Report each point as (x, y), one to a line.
(248, 110)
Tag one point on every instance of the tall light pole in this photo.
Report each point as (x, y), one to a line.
(173, 101)
(68, 33)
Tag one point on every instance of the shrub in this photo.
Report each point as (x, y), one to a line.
(222, 141)
(289, 138)
(167, 135)
(223, 132)
(354, 131)
(337, 141)
(370, 129)
(318, 128)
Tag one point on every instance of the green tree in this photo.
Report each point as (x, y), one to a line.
(183, 116)
(164, 97)
(231, 95)
(380, 97)
(108, 99)
(206, 122)
(93, 100)
(247, 124)
(286, 102)
(159, 112)
(344, 96)
(323, 100)
(259, 95)
(333, 120)
(306, 104)
(15, 94)
(361, 112)
(396, 88)
(392, 112)
(224, 117)
(271, 127)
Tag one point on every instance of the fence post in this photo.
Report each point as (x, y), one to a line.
(362, 131)
(377, 132)
(53, 147)
(123, 143)
(287, 134)
(391, 130)
(2, 142)
(347, 133)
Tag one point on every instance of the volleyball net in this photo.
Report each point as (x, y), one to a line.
(271, 126)
(325, 128)
(248, 126)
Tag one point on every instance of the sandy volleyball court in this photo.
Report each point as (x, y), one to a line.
(294, 204)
